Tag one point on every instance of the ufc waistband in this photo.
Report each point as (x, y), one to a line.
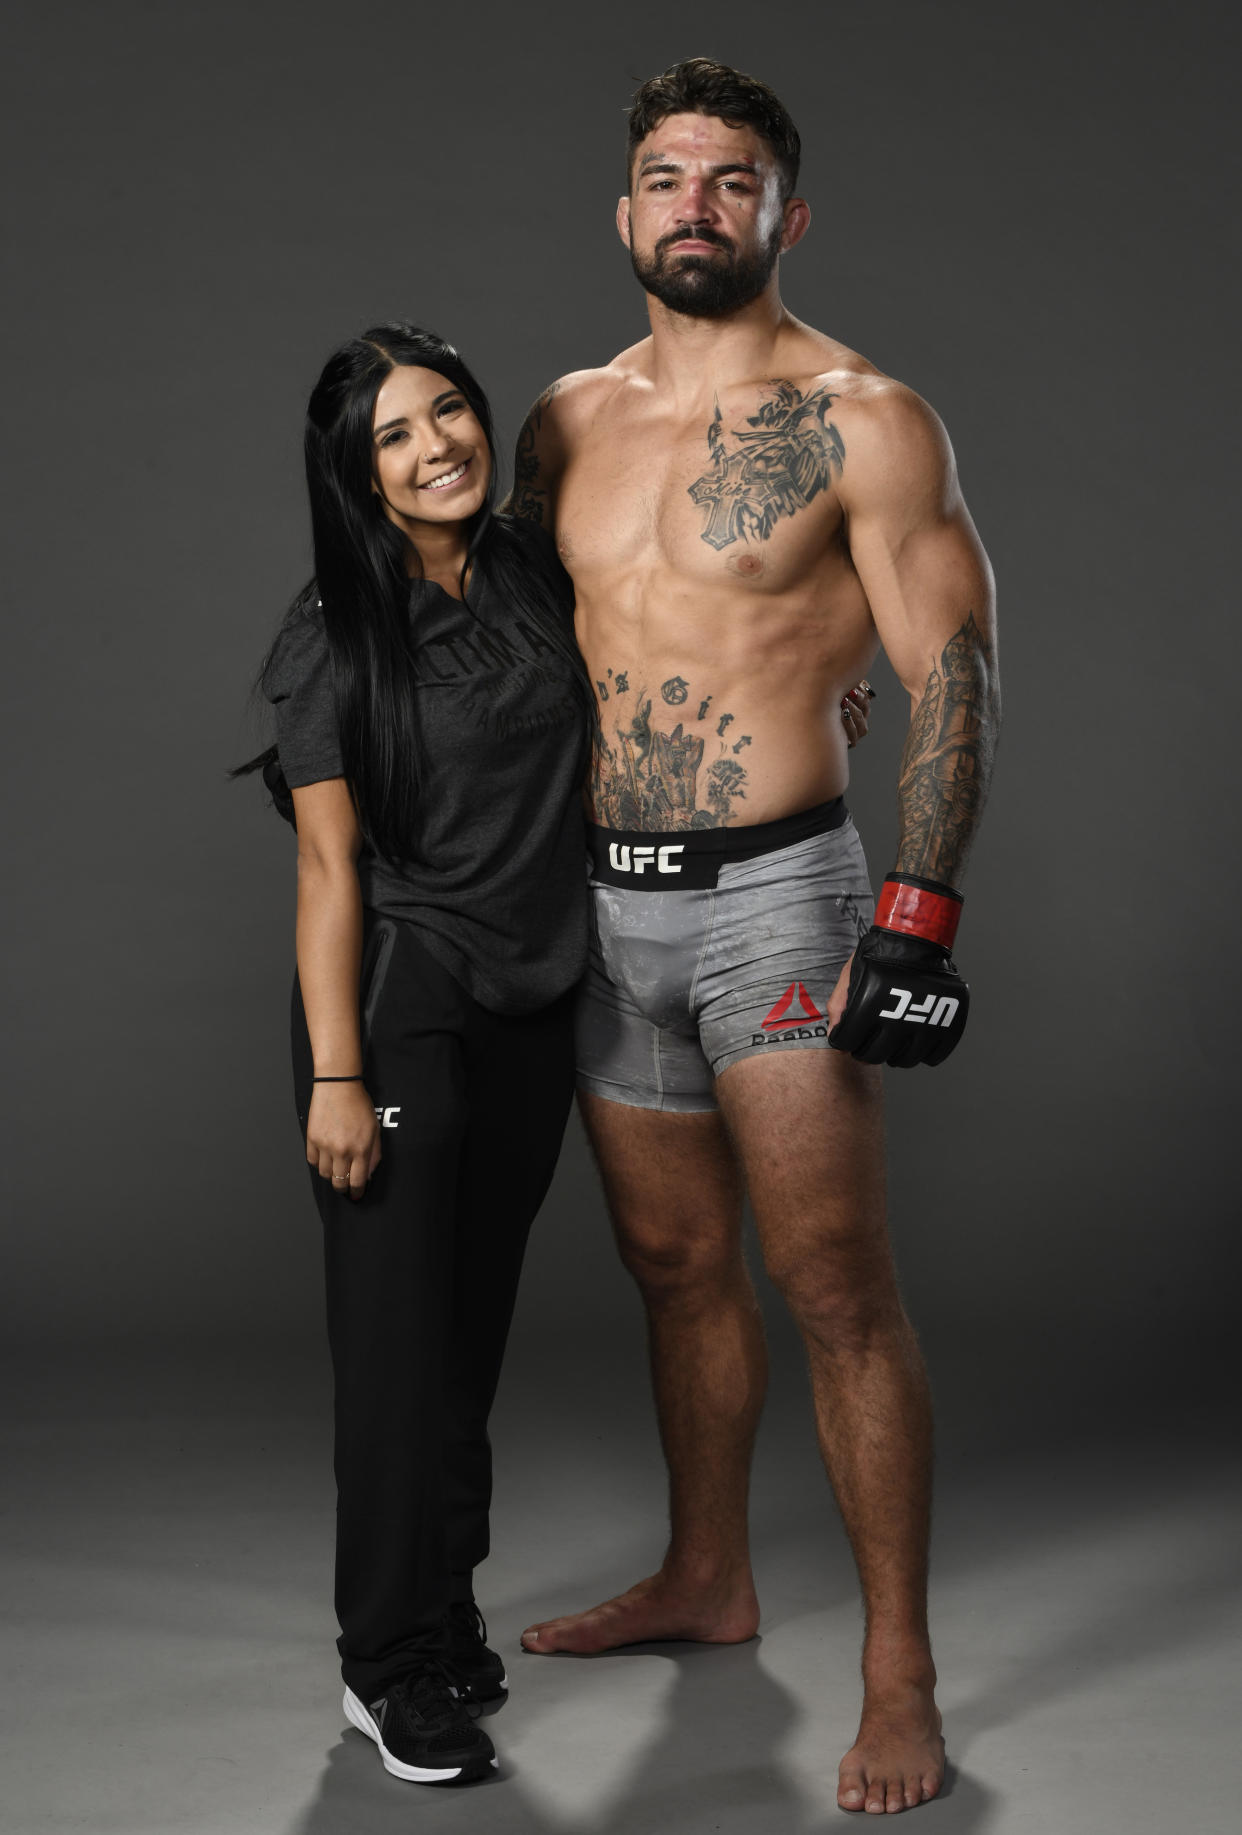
(691, 858)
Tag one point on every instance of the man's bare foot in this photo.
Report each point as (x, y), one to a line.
(897, 1761)
(659, 1607)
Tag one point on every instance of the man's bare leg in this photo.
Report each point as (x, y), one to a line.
(675, 1196)
(809, 1129)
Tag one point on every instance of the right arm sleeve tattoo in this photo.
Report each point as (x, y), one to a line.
(946, 767)
(530, 497)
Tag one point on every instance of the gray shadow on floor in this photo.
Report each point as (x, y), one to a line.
(357, 1797)
(716, 1763)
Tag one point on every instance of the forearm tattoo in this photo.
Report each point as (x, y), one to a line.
(774, 466)
(529, 498)
(655, 781)
(946, 766)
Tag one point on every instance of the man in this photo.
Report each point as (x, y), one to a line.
(748, 509)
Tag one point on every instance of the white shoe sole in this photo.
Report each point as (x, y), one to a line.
(358, 1717)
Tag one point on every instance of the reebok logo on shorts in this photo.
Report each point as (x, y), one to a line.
(788, 1020)
(777, 1017)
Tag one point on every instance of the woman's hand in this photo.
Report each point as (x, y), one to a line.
(343, 1136)
(856, 711)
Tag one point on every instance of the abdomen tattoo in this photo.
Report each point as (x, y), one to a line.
(647, 779)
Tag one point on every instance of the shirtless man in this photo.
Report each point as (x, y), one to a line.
(748, 509)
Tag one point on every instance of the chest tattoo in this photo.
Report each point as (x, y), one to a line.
(774, 466)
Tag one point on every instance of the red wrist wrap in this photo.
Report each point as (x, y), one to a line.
(914, 912)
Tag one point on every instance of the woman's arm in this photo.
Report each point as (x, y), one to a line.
(342, 1134)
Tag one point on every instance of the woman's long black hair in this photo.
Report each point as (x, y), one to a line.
(362, 580)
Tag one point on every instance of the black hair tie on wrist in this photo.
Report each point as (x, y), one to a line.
(357, 1079)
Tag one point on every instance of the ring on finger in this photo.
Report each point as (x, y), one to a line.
(340, 1178)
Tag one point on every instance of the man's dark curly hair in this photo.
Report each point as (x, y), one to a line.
(700, 86)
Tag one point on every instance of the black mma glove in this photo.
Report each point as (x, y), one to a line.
(907, 1004)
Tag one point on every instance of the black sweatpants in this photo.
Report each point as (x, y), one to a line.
(422, 1274)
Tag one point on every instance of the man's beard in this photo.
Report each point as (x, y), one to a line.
(706, 286)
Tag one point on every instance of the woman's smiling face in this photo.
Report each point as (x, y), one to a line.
(430, 461)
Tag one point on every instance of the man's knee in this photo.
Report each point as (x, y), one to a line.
(840, 1300)
(675, 1263)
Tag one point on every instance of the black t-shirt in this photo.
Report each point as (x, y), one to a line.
(496, 884)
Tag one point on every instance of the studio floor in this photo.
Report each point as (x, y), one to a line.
(170, 1664)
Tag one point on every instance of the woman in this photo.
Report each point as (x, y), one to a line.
(432, 714)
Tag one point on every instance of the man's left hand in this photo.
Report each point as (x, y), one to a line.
(899, 1001)
(856, 712)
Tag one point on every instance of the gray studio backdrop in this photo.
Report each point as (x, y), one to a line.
(1017, 210)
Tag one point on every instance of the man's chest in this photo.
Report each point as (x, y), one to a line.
(747, 495)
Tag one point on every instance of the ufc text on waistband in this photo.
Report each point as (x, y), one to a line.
(692, 857)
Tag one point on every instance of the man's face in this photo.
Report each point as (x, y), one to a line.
(704, 220)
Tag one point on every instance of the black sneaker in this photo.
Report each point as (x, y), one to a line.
(478, 1672)
(423, 1730)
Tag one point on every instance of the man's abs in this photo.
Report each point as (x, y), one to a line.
(720, 714)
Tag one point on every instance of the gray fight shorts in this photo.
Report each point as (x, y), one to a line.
(712, 946)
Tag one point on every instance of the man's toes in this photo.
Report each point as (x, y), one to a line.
(896, 1797)
(851, 1790)
(877, 1796)
(931, 1786)
(913, 1794)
